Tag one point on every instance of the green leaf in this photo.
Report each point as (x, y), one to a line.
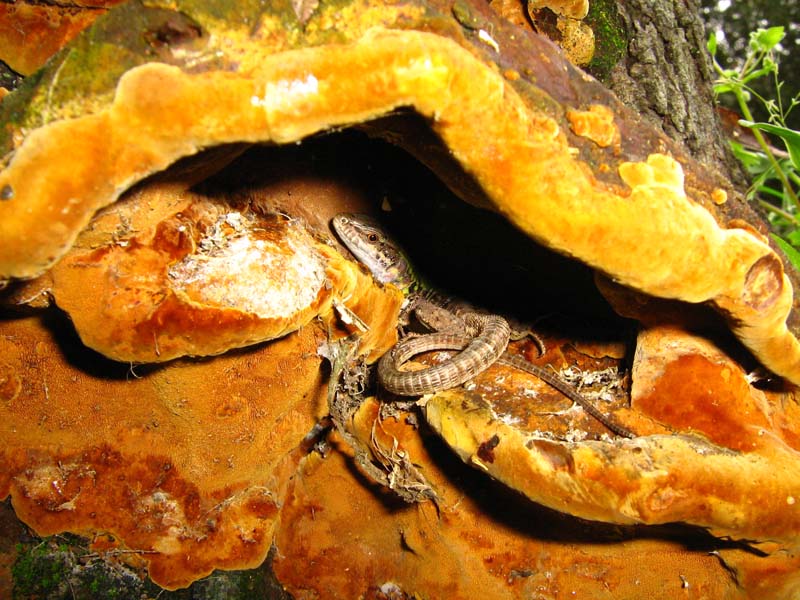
(754, 162)
(766, 39)
(711, 44)
(790, 137)
(793, 237)
(790, 251)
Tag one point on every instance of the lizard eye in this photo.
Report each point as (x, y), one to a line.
(372, 237)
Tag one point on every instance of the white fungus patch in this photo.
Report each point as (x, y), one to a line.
(236, 267)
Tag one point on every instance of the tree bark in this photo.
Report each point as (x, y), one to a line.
(666, 76)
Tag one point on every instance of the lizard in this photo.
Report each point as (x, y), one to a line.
(487, 335)
(480, 339)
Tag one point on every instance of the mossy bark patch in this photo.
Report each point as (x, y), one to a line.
(609, 37)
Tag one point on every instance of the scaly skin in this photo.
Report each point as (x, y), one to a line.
(477, 355)
(481, 340)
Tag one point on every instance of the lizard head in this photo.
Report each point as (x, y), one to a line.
(372, 246)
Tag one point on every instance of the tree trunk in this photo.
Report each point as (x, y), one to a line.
(666, 76)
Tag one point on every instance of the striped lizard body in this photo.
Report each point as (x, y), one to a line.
(476, 355)
(481, 339)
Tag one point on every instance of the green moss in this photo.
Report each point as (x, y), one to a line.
(63, 567)
(41, 570)
(609, 34)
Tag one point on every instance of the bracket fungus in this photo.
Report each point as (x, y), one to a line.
(170, 195)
